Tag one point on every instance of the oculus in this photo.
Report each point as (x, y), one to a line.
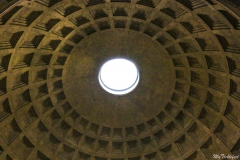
(118, 76)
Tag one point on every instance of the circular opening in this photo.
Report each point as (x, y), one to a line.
(118, 76)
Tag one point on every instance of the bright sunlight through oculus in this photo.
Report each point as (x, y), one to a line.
(118, 76)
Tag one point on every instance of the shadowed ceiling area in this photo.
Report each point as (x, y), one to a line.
(186, 105)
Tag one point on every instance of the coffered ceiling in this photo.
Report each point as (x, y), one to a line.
(187, 103)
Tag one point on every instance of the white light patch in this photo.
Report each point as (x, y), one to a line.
(118, 76)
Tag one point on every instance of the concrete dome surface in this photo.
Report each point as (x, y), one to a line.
(186, 105)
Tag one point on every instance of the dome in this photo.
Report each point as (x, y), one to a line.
(54, 97)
